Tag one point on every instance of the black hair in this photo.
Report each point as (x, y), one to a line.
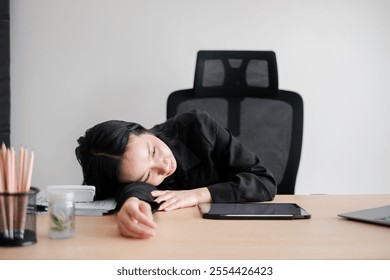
(100, 154)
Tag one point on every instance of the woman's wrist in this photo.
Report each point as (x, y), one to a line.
(204, 195)
(131, 198)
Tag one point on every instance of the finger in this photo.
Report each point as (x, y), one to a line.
(157, 193)
(143, 215)
(135, 230)
(129, 226)
(165, 197)
(167, 204)
(147, 211)
(177, 203)
(135, 219)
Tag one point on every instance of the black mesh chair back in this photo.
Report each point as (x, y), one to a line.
(240, 90)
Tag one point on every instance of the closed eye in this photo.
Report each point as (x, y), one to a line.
(152, 155)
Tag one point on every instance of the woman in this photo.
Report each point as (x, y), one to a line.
(187, 160)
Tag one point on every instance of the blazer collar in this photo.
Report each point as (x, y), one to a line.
(185, 158)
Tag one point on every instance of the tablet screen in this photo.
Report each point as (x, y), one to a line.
(252, 211)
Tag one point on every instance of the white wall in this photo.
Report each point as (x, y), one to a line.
(77, 62)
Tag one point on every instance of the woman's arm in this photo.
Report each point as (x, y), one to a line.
(223, 166)
(171, 200)
(136, 206)
(242, 176)
(140, 190)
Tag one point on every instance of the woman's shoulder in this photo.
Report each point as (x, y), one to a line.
(195, 116)
(189, 125)
(197, 125)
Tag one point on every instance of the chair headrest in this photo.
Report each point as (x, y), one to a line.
(236, 73)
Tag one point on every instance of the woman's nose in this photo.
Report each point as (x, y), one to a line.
(162, 167)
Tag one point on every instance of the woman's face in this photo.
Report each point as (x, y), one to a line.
(147, 159)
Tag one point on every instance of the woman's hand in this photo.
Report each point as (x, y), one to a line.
(135, 219)
(172, 200)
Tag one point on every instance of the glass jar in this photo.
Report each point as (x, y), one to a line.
(61, 214)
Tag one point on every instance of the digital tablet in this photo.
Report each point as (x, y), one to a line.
(259, 211)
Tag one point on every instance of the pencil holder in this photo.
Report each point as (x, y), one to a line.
(18, 218)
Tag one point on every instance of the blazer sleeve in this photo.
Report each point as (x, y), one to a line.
(244, 177)
(140, 190)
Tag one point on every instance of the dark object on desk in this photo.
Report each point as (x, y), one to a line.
(253, 211)
(378, 215)
(240, 90)
(5, 98)
(18, 218)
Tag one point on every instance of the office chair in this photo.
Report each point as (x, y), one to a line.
(240, 90)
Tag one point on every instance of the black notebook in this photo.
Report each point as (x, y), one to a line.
(258, 211)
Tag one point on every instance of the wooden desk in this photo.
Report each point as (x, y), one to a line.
(183, 234)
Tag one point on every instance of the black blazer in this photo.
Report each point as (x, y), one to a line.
(209, 156)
